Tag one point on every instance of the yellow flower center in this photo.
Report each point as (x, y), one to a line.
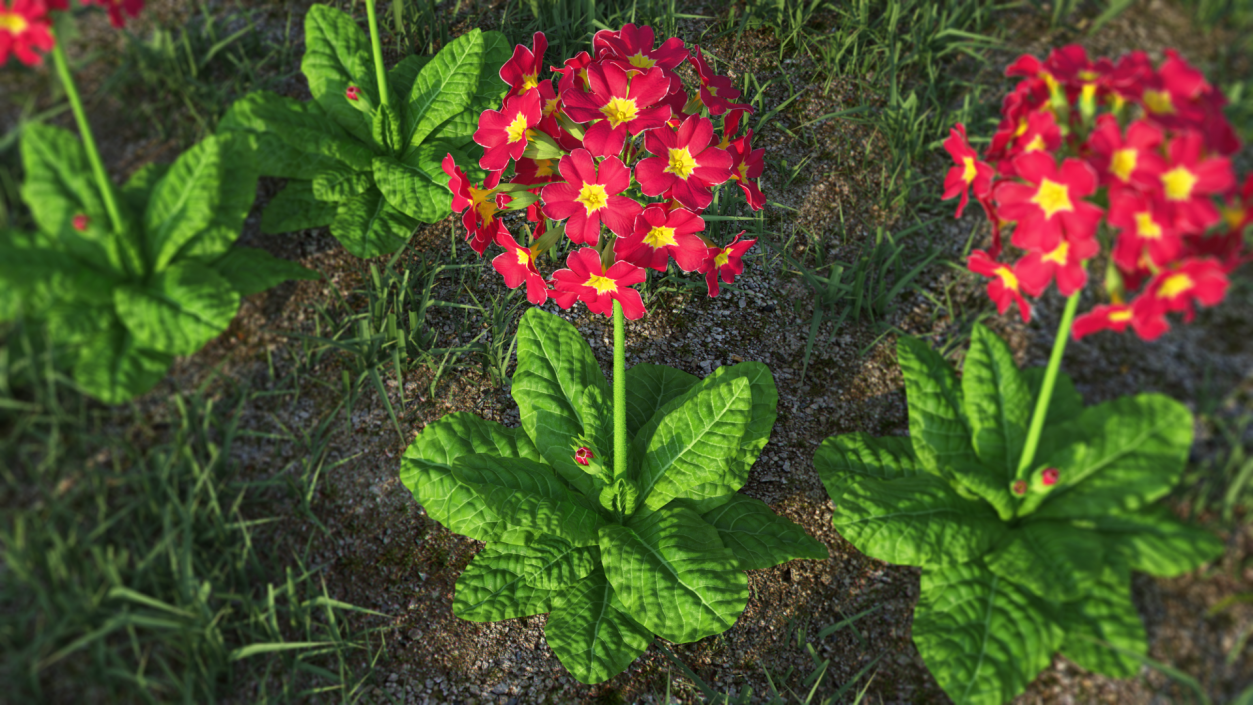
(550, 106)
(1059, 254)
(1007, 277)
(968, 175)
(1120, 316)
(530, 80)
(639, 61)
(524, 256)
(517, 129)
(1179, 182)
(1146, 227)
(1233, 216)
(682, 163)
(1158, 102)
(1052, 198)
(742, 172)
(722, 258)
(583, 75)
(544, 167)
(1174, 285)
(13, 23)
(1123, 163)
(1035, 145)
(593, 197)
(602, 285)
(713, 90)
(620, 110)
(660, 237)
(1022, 128)
(487, 210)
(1088, 93)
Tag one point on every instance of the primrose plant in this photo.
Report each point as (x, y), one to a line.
(621, 520)
(128, 278)
(1028, 518)
(364, 156)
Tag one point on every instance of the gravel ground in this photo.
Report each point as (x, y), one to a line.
(384, 554)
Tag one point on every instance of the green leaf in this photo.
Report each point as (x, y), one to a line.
(114, 369)
(529, 498)
(58, 186)
(183, 201)
(75, 322)
(596, 410)
(298, 139)
(1106, 615)
(250, 270)
(368, 226)
(555, 365)
(1066, 404)
(919, 520)
(758, 537)
(841, 458)
(179, 310)
(937, 419)
(341, 183)
(592, 639)
(1157, 543)
(997, 403)
(492, 588)
(385, 130)
(1057, 561)
(236, 192)
(648, 388)
(690, 452)
(296, 208)
(550, 562)
(418, 192)
(488, 94)
(1132, 451)
(138, 188)
(401, 76)
(982, 637)
(337, 55)
(444, 87)
(673, 574)
(426, 470)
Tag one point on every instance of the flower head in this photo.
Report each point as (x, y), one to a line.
(725, 262)
(517, 265)
(80, 222)
(662, 233)
(1065, 263)
(1049, 476)
(1005, 287)
(352, 93)
(504, 133)
(584, 455)
(1189, 181)
(589, 197)
(586, 279)
(969, 172)
(522, 69)
(715, 91)
(616, 105)
(481, 205)
(119, 10)
(1144, 224)
(1132, 161)
(686, 163)
(631, 49)
(24, 31)
(746, 167)
(1051, 203)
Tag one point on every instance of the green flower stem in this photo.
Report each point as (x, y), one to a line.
(1046, 388)
(379, 71)
(619, 392)
(84, 129)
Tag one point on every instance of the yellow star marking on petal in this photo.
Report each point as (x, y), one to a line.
(1158, 102)
(722, 258)
(741, 172)
(1035, 145)
(593, 197)
(1120, 316)
(1179, 182)
(1232, 216)
(550, 106)
(524, 256)
(1022, 128)
(1174, 285)
(660, 237)
(13, 23)
(682, 163)
(1059, 254)
(602, 285)
(482, 202)
(1007, 277)
(1053, 198)
(1146, 227)
(620, 110)
(530, 80)
(639, 61)
(1123, 162)
(544, 167)
(713, 90)
(969, 172)
(517, 129)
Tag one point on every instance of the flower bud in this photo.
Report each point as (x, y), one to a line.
(81, 222)
(583, 456)
(1049, 477)
(1019, 488)
(358, 99)
(352, 93)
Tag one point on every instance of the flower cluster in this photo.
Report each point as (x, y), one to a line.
(1117, 157)
(610, 142)
(26, 27)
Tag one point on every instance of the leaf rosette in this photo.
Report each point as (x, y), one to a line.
(125, 302)
(369, 171)
(613, 560)
(1010, 577)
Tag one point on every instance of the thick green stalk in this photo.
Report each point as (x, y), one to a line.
(619, 392)
(1046, 388)
(379, 71)
(84, 129)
